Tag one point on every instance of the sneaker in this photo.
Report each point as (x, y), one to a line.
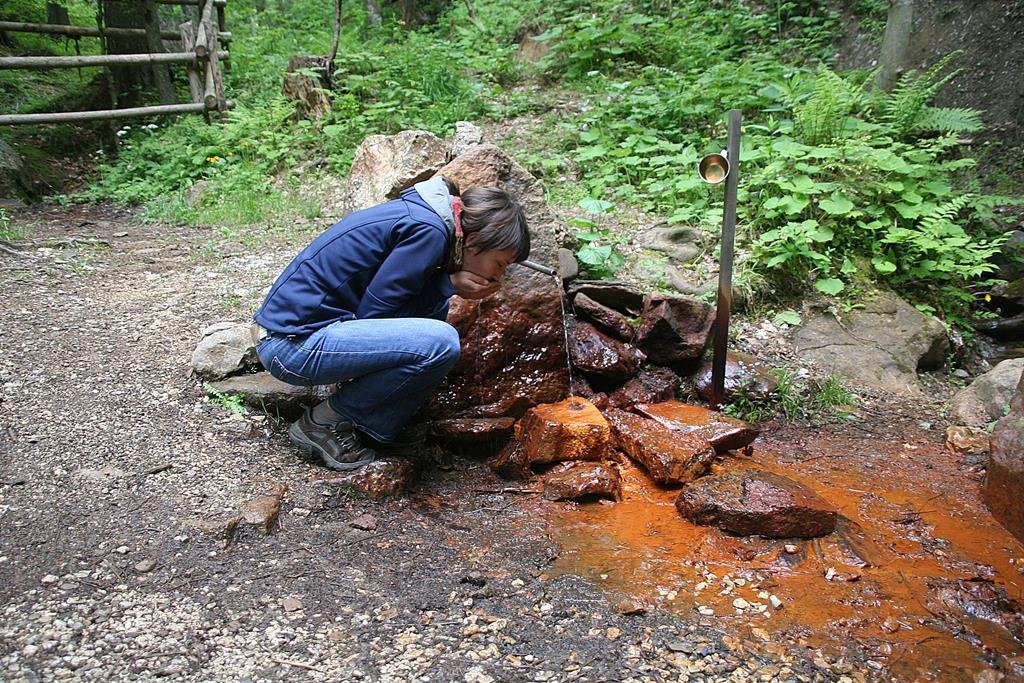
(338, 447)
(409, 440)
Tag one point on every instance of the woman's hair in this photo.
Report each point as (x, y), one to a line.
(496, 219)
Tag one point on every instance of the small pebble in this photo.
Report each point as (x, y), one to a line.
(774, 600)
(791, 549)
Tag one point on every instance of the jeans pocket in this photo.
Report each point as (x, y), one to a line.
(278, 370)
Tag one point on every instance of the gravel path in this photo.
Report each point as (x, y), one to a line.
(118, 475)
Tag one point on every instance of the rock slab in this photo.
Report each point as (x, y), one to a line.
(670, 457)
(1004, 478)
(600, 356)
(721, 431)
(757, 503)
(743, 374)
(674, 329)
(226, 348)
(384, 165)
(381, 478)
(988, 396)
(574, 480)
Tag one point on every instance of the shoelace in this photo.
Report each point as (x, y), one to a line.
(348, 439)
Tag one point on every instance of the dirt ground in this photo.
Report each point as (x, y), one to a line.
(117, 471)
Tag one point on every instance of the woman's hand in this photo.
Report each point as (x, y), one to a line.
(469, 285)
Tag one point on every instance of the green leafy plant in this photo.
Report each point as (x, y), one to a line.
(7, 232)
(233, 403)
(597, 256)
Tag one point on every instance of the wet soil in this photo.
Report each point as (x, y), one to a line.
(117, 476)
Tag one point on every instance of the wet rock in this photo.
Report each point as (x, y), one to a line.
(512, 462)
(572, 429)
(988, 396)
(384, 477)
(568, 267)
(1003, 329)
(966, 440)
(959, 602)
(743, 373)
(466, 135)
(513, 343)
(599, 355)
(262, 512)
(756, 503)
(620, 296)
(649, 386)
(384, 165)
(225, 349)
(721, 431)
(262, 391)
(882, 345)
(674, 329)
(1003, 491)
(606, 319)
(670, 457)
(581, 387)
(571, 480)
(473, 430)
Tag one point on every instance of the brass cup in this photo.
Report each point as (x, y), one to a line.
(714, 168)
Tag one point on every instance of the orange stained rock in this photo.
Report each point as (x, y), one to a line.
(573, 429)
(725, 433)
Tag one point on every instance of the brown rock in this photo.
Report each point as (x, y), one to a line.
(1004, 478)
(599, 355)
(511, 462)
(743, 373)
(384, 165)
(572, 429)
(604, 318)
(752, 502)
(669, 457)
(723, 432)
(568, 267)
(623, 298)
(966, 440)
(473, 430)
(266, 393)
(581, 387)
(674, 329)
(570, 480)
(649, 386)
(262, 512)
(384, 477)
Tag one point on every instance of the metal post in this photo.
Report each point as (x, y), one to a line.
(725, 263)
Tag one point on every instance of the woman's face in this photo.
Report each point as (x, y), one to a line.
(489, 265)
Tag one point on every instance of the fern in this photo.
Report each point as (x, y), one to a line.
(906, 107)
(948, 120)
(820, 118)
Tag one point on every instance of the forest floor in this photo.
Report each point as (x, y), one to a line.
(118, 470)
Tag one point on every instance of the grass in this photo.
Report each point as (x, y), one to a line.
(793, 399)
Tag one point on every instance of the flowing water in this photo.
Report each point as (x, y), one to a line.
(562, 296)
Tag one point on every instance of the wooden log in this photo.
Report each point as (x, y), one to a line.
(99, 60)
(188, 43)
(213, 70)
(89, 32)
(205, 39)
(105, 114)
(194, 3)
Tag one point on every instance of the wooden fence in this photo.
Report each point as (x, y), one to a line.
(201, 53)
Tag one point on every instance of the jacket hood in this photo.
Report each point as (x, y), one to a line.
(435, 193)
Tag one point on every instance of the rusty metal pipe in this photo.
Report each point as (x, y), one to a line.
(540, 268)
(725, 263)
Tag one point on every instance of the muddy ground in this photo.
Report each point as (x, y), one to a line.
(117, 475)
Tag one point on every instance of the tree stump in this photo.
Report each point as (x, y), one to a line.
(307, 83)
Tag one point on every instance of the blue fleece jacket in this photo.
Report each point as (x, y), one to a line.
(387, 261)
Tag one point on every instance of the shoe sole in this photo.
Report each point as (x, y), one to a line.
(310, 449)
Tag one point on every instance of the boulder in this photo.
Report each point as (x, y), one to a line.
(568, 267)
(721, 431)
(756, 503)
(1003, 329)
(573, 480)
(513, 343)
(1008, 297)
(670, 457)
(572, 429)
(466, 135)
(1004, 478)
(264, 392)
(649, 386)
(384, 477)
(225, 349)
(512, 462)
(966, 440)
(743, 373)
(606, 319)
(988, 396)
(600, 356)
(384, 165)
(674, 329)
(473, 431)
(881, 346)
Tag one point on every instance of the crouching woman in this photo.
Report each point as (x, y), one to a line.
(364, 306)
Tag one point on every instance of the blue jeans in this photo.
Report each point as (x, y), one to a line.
(388, 367)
